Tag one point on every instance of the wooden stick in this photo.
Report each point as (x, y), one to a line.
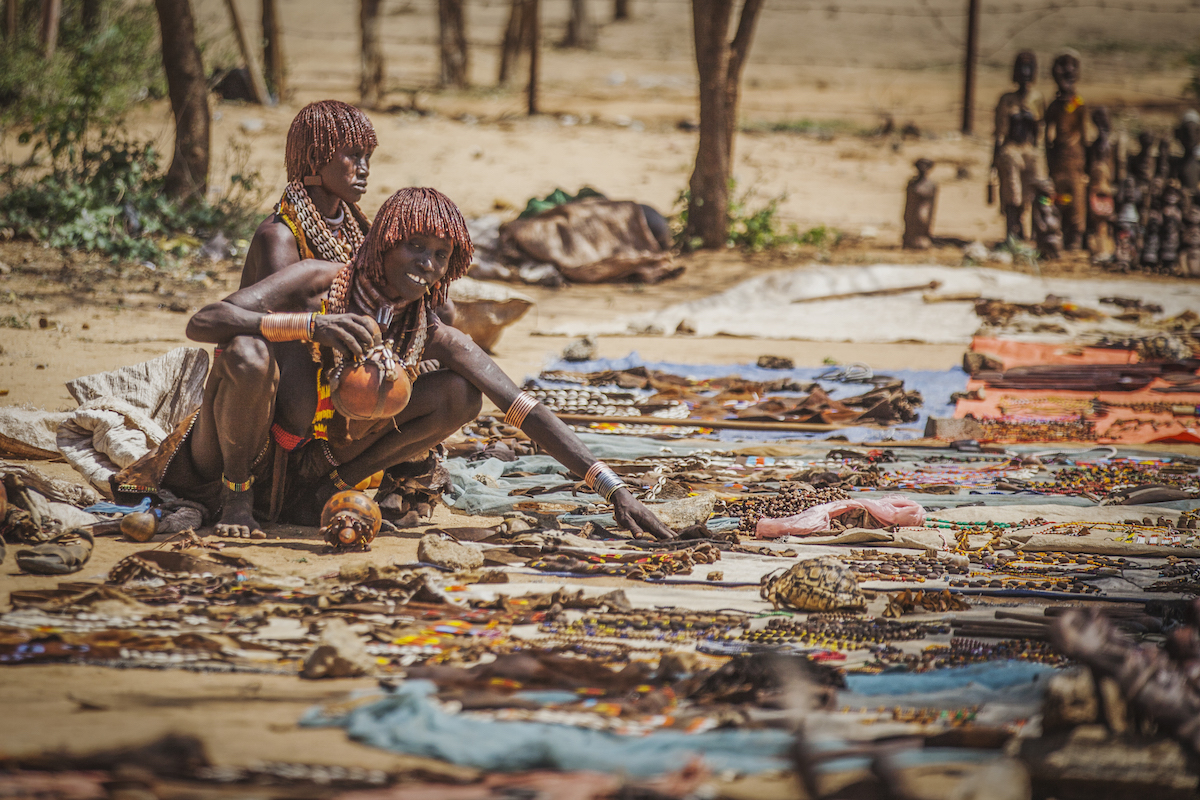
(535, 46)
(51, 13)
(728, 424)
(924, 287)
(276, 64)
(257, 83)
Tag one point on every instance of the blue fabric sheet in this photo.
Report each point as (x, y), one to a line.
(409, 721)
(935, 387)
(990, 675)
(474, 497)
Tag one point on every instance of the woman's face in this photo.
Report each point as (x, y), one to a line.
(346, 173)
(413, 266)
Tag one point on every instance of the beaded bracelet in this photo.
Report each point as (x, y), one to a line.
(333, 462)
(287, 327)
(602, 480)
(237, 487)
(522, 404)
(338, 482)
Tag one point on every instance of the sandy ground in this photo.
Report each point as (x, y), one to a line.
(613, 125)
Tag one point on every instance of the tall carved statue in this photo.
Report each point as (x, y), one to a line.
(1171, 230)
(1102, 175)
(1066, 120)
(1019, 117)
(919, 202)
(1187, 167)
(1141, 164)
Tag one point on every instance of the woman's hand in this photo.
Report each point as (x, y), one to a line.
(351, 334)
(428, 366)
(637, 519)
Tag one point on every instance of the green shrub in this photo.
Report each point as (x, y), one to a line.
(112, 202)
(94, 77)
(754, 227)
(87, 185)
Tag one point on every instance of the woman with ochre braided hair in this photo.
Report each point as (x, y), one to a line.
(291, 339)
(328, 159)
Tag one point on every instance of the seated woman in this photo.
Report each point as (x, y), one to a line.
(328, 159)
(296, 343)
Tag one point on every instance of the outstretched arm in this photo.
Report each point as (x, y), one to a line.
(457, 352)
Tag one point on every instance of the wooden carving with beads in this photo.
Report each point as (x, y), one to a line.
(350, 521)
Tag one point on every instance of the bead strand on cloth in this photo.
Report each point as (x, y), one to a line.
(522, 404)
(287, 327)
(602, 480)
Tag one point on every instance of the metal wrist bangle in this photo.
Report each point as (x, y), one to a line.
(521, 405)
(602, 480)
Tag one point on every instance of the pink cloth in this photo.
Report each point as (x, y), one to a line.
(891, 509)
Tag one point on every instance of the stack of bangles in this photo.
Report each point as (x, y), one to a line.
(602, 480)
(287, 327)
(522, 404)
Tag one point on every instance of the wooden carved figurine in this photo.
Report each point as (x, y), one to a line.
(1141, 165)
(1171, 232)
(919, 202)
(1047, 224)
(1102, 166)
(1066, 119)
(1019, 116)
(1187, 167)
(1189, 259)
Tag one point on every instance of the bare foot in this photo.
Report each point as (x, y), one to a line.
(237, 516)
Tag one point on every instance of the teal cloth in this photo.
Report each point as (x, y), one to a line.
(553, 200)
(409, 721)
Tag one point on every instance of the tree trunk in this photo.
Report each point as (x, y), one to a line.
(452, 30)
(620, 10)
(516, 40)
(91, 15)
(533, 24)
(739, 49)
(276, 64)
(719, 63)
(188, 175)
(249, 55)
(370, 87)
(581, 31)
(10, 18)
(51, 14)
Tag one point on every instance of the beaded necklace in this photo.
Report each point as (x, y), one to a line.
(298, 210)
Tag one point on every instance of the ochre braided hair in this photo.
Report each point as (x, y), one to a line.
(406, 213)
(319, 130)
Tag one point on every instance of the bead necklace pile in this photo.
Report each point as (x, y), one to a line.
(792, 499)
(962, 652)
(872, 565)
(1099, 479)
(837, 633)
(999, 429)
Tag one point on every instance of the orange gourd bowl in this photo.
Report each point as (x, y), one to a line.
(362, 393)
